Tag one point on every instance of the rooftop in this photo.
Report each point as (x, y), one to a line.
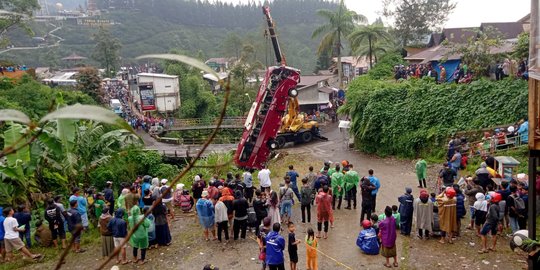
(308, 80)
(157, 75)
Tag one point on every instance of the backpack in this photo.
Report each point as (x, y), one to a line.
(518, 203)
(185, 202)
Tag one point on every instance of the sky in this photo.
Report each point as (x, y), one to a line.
(468, 13)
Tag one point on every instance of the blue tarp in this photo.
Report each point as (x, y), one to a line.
(450, 66)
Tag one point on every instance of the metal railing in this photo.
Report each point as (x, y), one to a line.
(493, 144)
(228, 121)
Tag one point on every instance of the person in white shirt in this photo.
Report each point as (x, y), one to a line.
(11, 238)
(221, 219)
(264, 178)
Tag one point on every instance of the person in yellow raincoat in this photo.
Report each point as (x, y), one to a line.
(447, 213)
(311, 250)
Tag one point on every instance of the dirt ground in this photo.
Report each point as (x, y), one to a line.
(339, 251)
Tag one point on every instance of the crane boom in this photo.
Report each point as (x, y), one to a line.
(277, 50)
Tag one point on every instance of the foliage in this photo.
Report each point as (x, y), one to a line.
(339, 24)
(384, 69)
(107, 50)
(214, 164)
(414, 117)
(89, 82)
(522, 46)
(371, 36)
(15, 13)
(415, 18)
(476, 52)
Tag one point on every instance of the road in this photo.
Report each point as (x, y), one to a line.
(56, 44)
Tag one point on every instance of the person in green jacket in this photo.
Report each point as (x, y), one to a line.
(351, 180)
(139, 239)
(421, 172)
(337, 187)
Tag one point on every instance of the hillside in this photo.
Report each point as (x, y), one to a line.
(191, 26)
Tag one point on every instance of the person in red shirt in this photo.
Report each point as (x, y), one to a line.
(324, 206)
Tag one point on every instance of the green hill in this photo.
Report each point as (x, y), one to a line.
(192, 26)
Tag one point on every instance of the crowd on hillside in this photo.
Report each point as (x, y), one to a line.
(462, 73)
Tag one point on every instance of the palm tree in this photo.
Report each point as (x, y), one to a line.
(373, 34)
(339, 25)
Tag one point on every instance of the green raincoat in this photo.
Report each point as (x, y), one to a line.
(337, 184)
(351, 180)
(139, 239)
(421, 169)
(331, 171)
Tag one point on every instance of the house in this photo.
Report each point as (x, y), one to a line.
(158, 92)
(316, 91)
(220, 64)
(62, 78)
(507, 30)
(353, 66)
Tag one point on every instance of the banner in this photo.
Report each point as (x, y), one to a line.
(148, 100)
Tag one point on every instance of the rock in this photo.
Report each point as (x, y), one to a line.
(472, 244)
(402, 258)
(201, 253)
(495, 265)
(485, 262)
(162, 254)
(252, 259)
(498, 261)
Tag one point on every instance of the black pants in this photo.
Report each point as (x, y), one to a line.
(334, 197)
(258, 227)
(240, 225)
(143, 253)
(366, 210)
(223, 226)
(304, 208)
(319, 226)
(420, 181)
(374, 199)
(351, 195)
(277, 266)
(249, 194)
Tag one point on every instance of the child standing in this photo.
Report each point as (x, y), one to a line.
(293, 246)
(118, 227)
(491, 224)
(306, 193)
(75, 224)
(367, 239)
(387, 233)
(311, 250)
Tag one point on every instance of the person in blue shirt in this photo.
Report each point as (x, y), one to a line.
(81, 206)
(375, 181)
(275, 244)
(145, 185)
(523, 132)
(293, 175)
(24, 217)
(2, 233)
(367, 239)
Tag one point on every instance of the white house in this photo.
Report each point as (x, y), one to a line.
(159, 92)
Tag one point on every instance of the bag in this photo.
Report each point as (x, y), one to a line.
(262, 256)
(519, 203)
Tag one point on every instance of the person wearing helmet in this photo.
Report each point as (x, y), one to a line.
(492, 223)
(447, 214)
(367, 239)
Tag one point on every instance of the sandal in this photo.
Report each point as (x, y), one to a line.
(492, 249)
(482, 251)
(395, 264)
(141, 262)
(387, 265)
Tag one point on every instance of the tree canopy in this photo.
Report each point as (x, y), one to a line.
(106, 50)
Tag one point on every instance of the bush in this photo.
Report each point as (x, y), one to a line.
(384, 69)
(416, 117)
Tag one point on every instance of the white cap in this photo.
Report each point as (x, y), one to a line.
(197, 178)
(204, 194)
(511, 129)
(109, 182)
(164, 181)
(180, 186)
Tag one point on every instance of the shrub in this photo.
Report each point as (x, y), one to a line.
(415, 117)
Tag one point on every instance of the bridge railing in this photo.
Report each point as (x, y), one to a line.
(196, 141)
(227, 121)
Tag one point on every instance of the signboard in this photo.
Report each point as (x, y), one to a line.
(94, 22)
(148, 99)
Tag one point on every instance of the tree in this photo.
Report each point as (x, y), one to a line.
(15, 12)
(339, 24)
(88, 82)
(522, 47)
(232, 45)
(107, 50)
(415, 18)
(476, 52)
(372, 34)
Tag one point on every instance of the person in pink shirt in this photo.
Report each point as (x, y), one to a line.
(324, 208)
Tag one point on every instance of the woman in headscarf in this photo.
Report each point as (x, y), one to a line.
(273, 208)
(155, 187)
(163, 234)
(107, 242)
(205, 210)
(423, 207)
(139, 239)
(121, 202)
(227, 198)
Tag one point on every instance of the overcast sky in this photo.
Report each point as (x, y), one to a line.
(467, 13)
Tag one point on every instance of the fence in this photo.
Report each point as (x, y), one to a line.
(228, 121)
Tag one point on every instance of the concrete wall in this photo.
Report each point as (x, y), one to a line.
(166, 92)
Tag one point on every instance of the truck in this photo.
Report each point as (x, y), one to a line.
(264, 119)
